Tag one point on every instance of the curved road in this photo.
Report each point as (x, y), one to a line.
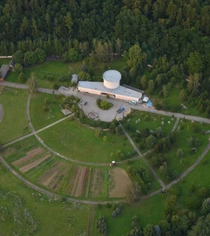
(164, 187)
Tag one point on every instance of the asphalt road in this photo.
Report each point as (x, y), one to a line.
(138, 107)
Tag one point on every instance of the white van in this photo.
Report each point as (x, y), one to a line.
(133, 102)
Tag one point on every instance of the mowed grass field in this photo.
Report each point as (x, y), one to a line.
(80, 143)
(148, 211)
(22, 209)
(14, 123)
(41, 118)
(180, 164)
(58, 68)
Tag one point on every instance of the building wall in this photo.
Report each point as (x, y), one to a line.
(111, 85)
(117, 96)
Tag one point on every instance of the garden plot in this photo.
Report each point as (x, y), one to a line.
(97, 181)
(50, 174)
(34, 164)
(30, 156)
(119, 182)
(56, 183)
(79, 183)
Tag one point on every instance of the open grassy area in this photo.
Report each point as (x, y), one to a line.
(181, 142)
(22, 209)
(148, 211)
(41, 118)
(14, 123)
(56, 69)
(80, 143)
(136, 122)
(4, 61)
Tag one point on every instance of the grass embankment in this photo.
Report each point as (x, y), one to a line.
(80, 143)
(41, 118)
(14, 123)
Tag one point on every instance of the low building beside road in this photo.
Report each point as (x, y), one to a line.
(110, 87)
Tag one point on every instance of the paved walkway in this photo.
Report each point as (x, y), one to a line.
(164, 187)
(142, 157)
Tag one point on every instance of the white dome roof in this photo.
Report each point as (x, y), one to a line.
(112, 76)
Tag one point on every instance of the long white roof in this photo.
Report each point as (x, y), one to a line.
(99, 86)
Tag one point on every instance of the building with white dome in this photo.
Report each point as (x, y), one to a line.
(110, 87)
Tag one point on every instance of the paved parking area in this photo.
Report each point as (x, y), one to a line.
(91, 106)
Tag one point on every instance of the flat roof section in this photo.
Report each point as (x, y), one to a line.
(99, 86)
(112, 76)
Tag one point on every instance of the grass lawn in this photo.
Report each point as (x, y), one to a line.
(58, 68)
(16, 199)
(181, 142)
(173, 99)
(4, 61)
(141, 120)
(199, 176)
(80, 143)
(14, 123)
(42, 118)
(148, 211)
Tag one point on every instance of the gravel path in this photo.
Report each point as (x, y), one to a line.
(141, 108)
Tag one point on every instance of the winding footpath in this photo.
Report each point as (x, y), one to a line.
(140, 156)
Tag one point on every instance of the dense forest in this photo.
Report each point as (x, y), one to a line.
(171, 36)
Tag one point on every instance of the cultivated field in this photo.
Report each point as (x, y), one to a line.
(119, 182)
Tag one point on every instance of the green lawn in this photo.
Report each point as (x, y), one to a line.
(139, 121)
(200, 176)
(14, 123)
(148, 211)
(4, 61)
(80, 143)
(181, 142)
(58, 68)
(51, 217)
(42, 118)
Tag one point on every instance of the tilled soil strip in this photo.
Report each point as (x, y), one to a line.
(52, 174)
(34, 164)
(57, 185)
(81, 182)
(28, 156)
(75, 182)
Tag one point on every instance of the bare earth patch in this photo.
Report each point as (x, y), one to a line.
(59, 178)
(81, 182)
(47, 176)
(29, 155)
(120, 180)
(75, 181)
(34, 164)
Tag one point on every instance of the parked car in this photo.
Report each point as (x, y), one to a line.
(121, 109)
(133, 102)
(85, 103)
